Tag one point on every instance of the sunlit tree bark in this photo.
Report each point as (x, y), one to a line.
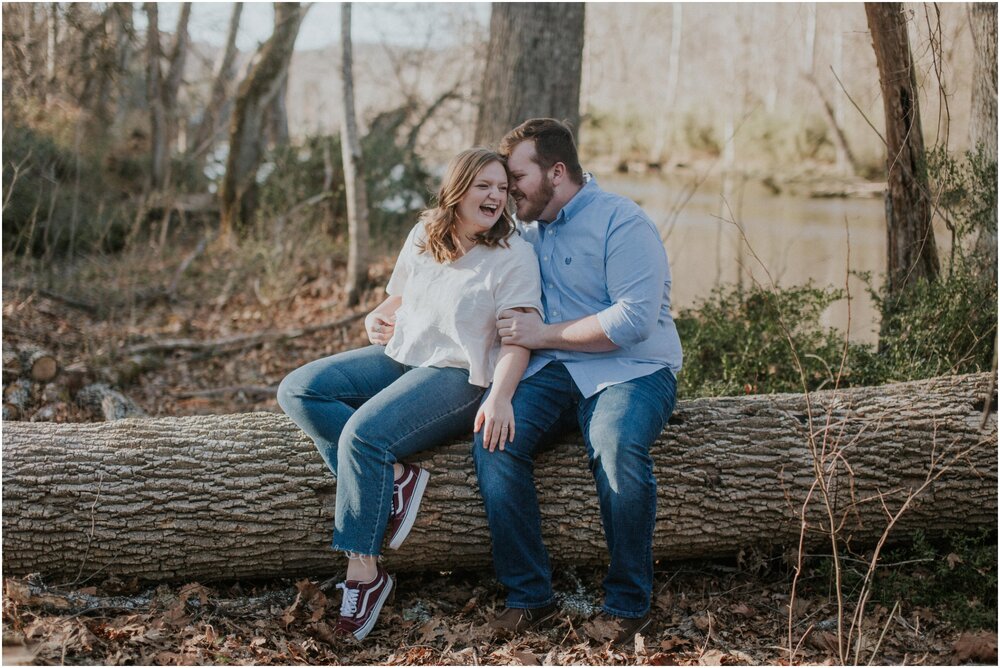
(983, 122)
(247, 495)
(354, 174)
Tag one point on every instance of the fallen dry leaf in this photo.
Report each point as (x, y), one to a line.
(526, 658)
(673, 641)
(600, 629)
(980, 647)
(712, 657)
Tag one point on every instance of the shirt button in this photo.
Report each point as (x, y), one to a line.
(551, 286)
(545, 257)
(555, 314)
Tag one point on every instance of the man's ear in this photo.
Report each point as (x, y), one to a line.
(558, 173)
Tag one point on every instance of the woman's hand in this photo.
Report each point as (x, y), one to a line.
(380, 327)
(496, 415)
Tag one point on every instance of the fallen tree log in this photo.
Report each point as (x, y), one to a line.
(246, 495)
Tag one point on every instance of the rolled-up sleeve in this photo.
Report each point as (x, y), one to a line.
(636, 269)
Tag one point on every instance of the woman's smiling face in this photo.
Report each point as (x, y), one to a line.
(484, 201)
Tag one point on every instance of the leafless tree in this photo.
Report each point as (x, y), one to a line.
(256, 93)
(277, 125)
(983, 123)
(532, 66)
(154, 98)
(161, 92)
(845, 157)
(218, 105)
(912, 251)
(354, 173)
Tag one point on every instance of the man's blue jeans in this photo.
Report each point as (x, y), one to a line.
(365, 411)
(619, 424)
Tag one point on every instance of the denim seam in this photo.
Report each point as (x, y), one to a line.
(624, 613)
(529, 606)
(389, 449)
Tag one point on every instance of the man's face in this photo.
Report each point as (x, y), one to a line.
(530, 186)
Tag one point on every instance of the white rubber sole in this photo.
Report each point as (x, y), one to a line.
(411, 512)
(376, 610)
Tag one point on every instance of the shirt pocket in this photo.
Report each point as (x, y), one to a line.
(583, 274)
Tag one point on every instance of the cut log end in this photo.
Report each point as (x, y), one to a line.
(41, 365)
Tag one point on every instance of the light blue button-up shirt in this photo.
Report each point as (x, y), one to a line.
(602, 255)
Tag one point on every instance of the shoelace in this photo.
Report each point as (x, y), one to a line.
(350, 603)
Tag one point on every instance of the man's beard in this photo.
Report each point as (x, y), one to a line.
(536, 203)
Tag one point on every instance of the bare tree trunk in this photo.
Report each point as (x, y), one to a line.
(912, 249)
(208, 129)
(278, 116)
(846, 162)
(354, 173)
(246, 134)
(983, 123)
(175, 75)
(123, 52)
(533, 66)
(664, 125)
(845, 157)
(154, 97)
(51, 52)
(247, 495)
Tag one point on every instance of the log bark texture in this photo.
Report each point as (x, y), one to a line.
(247, 495)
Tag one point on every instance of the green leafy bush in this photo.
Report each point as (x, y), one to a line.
(741, 341)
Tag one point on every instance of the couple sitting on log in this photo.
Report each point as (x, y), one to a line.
(521, 331)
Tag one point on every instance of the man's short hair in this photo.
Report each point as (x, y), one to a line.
(553, 143)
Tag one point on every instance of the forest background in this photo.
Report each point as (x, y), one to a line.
(167, 274)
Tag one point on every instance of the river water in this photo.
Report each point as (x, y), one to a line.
(796, 239)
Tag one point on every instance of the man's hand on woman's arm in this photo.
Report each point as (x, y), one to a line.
(381, 322)
(530, 331)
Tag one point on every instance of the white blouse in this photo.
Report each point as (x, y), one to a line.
(449, 311)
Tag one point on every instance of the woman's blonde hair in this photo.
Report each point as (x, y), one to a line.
(440, 222)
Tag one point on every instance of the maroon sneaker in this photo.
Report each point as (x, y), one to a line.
(406, 494)
(361, 604)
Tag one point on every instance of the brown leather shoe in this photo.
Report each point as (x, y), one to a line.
(518, 620)
(619, 630)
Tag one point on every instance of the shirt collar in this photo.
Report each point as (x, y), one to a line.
(581, 199)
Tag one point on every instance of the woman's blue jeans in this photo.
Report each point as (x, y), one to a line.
(618, 424)
(365, 411)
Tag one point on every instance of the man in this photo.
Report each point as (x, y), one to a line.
(605, 357)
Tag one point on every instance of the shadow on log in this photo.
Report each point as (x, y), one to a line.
(247, 495)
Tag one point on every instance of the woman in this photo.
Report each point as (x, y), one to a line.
(434, 336)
